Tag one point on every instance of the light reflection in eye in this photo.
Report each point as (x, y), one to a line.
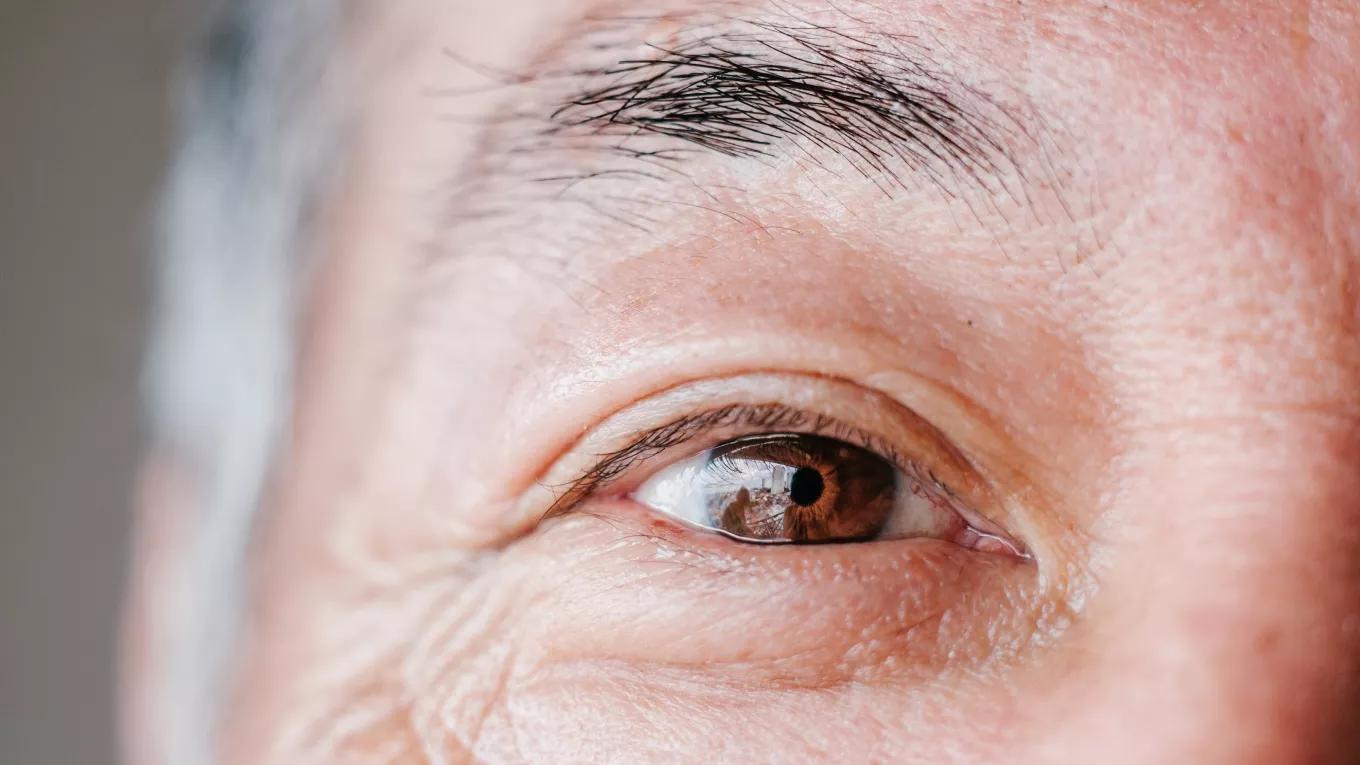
(788, 488)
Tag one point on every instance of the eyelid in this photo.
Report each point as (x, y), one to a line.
(613, 445)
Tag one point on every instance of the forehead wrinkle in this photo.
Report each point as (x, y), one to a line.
(626, 105)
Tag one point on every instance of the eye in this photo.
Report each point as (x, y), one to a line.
(807, 489)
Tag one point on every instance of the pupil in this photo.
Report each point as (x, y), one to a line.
(806, 486)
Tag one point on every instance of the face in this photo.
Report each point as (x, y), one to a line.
(806, 381)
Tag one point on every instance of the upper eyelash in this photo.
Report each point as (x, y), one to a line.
(773, 417)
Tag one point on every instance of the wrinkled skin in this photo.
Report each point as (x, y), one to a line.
(1150, 363)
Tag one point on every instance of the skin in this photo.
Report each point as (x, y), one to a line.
(1146, 371)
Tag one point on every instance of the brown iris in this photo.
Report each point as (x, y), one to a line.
(797, 488)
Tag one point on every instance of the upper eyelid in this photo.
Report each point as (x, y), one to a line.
(771, 416)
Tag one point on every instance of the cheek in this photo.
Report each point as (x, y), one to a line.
(366, 667)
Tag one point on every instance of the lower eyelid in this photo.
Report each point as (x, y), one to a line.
(631, 519)
(683, 595)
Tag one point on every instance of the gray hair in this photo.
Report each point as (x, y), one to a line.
(261, 126)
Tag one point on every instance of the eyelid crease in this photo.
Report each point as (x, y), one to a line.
(771, 417)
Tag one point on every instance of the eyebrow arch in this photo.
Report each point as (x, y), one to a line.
(757, 88)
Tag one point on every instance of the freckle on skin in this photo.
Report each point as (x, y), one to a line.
(1267, 640)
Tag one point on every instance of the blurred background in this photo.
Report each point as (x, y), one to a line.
(84, 126)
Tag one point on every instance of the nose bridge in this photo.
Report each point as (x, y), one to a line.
(1227, 626)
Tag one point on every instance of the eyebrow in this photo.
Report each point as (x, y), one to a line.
(623, 109)
(756, 88)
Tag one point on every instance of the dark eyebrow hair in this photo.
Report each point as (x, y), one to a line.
(610, 110)
(755, 88)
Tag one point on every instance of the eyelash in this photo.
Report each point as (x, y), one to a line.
(754, 418)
